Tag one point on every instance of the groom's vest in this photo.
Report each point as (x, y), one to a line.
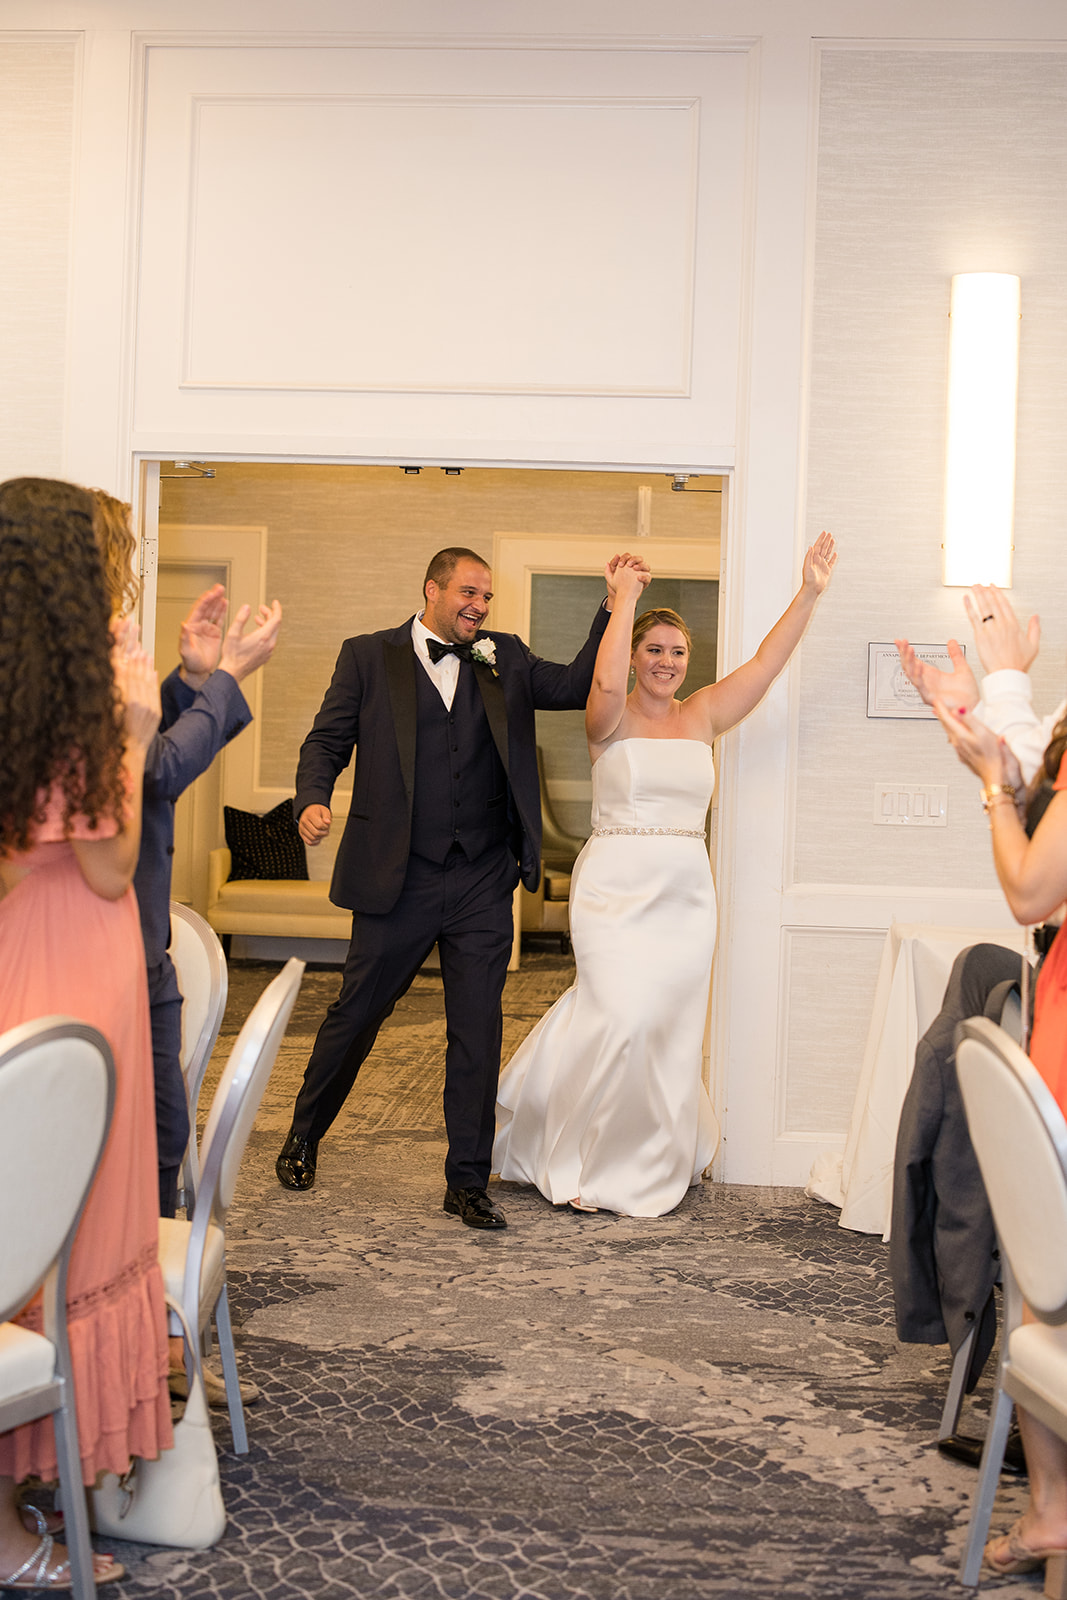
(461, 790)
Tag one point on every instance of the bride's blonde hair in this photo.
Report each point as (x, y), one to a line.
(652, 619)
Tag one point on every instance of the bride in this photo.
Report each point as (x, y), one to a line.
(603, 1106)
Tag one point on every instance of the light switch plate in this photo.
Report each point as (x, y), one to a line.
(911, 805)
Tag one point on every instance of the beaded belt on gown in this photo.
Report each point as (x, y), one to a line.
(674, 833)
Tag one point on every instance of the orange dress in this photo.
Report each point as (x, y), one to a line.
(64, 949)
(1048, 1042)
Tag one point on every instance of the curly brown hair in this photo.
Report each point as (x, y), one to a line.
(61, 717)
(1054, 750)
(114, 535)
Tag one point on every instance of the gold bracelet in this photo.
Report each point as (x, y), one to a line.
(995, 791)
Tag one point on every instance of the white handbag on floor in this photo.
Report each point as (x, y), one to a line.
(175, 1500)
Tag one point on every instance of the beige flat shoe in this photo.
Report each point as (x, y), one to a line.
(214, 1387)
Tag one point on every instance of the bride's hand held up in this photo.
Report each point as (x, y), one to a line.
(626, 577)
(621, 563)
(721, 706)
(630, 581)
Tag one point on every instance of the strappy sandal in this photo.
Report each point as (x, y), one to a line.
(37, 1508)
(1019, 1558)
(38, 1572)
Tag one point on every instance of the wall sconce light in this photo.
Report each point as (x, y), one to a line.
(983, 381)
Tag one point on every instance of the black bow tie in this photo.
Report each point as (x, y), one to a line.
(437, 650)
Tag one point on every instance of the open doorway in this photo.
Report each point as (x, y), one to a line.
(346, 548)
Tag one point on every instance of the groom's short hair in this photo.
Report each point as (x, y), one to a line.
(444, 564)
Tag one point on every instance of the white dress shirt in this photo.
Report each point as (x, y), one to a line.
(444, 674)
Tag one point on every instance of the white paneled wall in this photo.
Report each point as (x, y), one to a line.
(930, 162)
(37, 114)
(490, 253)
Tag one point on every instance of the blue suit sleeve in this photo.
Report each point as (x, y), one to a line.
(196, 724)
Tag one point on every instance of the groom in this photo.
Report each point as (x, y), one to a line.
(445, 818)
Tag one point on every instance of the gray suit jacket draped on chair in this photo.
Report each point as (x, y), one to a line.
(371, 704)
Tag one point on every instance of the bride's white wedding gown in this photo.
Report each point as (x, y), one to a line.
(604, 1099)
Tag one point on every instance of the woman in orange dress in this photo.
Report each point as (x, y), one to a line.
(76, 719)
(1033, 875)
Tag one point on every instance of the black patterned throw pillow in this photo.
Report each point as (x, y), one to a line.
(267, 846)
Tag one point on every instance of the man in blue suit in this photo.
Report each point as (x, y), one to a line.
(445, 818)
(203, 709)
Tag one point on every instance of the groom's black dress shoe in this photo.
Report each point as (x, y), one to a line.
(958, 1447)
(474, 1207)
(296, 1164)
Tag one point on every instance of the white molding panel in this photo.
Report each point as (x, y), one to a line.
(500, 254)
(430, 253)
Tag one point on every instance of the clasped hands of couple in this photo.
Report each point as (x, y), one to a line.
(1003, 645)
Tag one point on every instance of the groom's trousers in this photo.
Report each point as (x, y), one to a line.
(465, 907)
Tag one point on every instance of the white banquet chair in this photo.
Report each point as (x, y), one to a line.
(57, 1088)
(203, 980)
(1020, 1138)
(192, 1252)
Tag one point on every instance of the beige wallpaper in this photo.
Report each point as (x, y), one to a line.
(348, 548)
(37, 88)
(930, 163)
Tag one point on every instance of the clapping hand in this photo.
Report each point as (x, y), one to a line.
(819, 562)
(244, 653)
(1001, 641)
(200, 638)
(138, 683)
(956, 688)
(977, 746)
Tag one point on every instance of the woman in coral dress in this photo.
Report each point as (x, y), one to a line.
(1033, 875)
(74, 727)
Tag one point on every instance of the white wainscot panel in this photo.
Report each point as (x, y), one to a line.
(828, 982)
(418, 246)
(485, 254)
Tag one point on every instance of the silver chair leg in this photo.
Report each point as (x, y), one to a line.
(75, 1510)
(228, 1356)
(986, 1489)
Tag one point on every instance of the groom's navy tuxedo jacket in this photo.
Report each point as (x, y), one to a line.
(371, 705)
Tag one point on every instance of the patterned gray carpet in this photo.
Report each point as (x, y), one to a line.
(710, 1404)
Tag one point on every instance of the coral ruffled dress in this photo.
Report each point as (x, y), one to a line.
(64, 949)
(1048, 1042)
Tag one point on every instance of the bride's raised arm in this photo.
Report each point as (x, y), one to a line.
(729, 701)
(607, 697)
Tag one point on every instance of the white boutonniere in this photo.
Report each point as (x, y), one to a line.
(483, 652)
